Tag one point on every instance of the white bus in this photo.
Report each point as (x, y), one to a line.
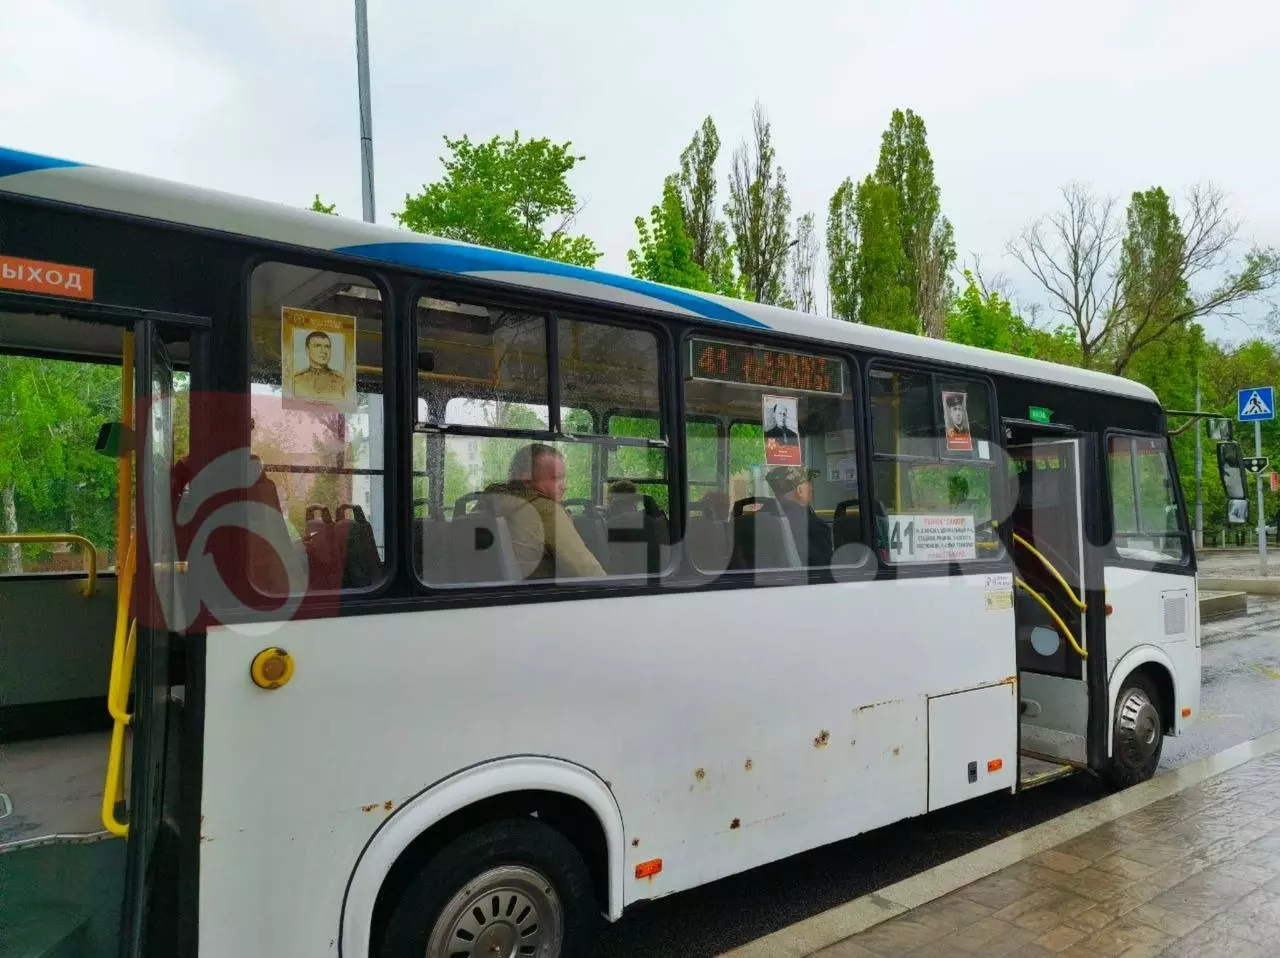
(807, 578)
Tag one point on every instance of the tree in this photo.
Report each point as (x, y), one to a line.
(984, 317)
(666, 250)
(697, 191)
(51, 478)
(928, 243)
(758, 210)
(1124, 285)
(843, 239)
(510, 194)
(804, 265)
(883, 300)
(320, 206)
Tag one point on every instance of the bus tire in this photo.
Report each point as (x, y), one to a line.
(508, 882)
(1138, 736)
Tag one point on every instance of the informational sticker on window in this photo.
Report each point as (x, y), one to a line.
(931, 538)
(842, 468)
(998, 591)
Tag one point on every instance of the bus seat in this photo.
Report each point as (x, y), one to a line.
(480, 550)
(639, 536)
(762, 536)
(465, 503)
(846, 525)
(429, 546)
(707, 542)
(323, 565)
(353, 535)
(591, 526)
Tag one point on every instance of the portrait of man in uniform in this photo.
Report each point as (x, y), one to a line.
(318, 356)
(318, 380)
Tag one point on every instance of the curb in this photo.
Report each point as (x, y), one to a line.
(834, 925)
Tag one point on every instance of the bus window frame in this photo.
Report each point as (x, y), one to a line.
(328, 602)
(855, 369)
(553, 308)
(999, 493)
(1186, 565)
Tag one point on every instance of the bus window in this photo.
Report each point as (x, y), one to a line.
(315, 373)
(51, 480)
(791, 498)
(933, 469)
(1146, 520)
(488, 513)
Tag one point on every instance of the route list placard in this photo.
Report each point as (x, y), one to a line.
(931, 538)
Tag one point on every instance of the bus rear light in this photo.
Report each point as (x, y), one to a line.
(649, 869)
(995, 765)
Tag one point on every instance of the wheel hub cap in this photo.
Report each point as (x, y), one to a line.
(1139, 726)
(506, 912)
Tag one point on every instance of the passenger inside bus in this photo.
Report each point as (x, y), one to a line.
(794, 488)
(543, 536)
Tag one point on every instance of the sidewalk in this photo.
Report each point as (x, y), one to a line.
(1184, 866)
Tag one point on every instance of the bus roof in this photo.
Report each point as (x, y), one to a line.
(28, 174)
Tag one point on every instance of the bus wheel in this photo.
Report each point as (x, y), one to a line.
(511, 888)
(1139, 733)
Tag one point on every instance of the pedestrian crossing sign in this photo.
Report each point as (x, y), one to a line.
(1255, 404)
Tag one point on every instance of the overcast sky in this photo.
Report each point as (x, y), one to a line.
(259, 97)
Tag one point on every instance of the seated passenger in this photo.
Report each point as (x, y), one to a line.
(543, 536)
(715, 505)
(793, 487)
(621, 496)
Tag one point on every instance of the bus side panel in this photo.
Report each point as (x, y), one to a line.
(734, 728)
(1155, 619)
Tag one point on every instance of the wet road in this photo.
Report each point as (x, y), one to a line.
(1240, 700)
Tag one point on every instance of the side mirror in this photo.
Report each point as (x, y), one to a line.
(1218, 429)
(1231, 472)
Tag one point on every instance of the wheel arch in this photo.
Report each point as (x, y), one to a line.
(1154, 662)
(568, 796)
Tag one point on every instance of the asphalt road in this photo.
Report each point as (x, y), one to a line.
(1240, 700)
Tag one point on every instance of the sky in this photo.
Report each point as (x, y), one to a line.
(258, 97)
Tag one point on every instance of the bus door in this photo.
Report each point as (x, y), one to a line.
(150, 869)
(1047, 542)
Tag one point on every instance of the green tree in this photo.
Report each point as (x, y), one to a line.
(507, 193)
(758, 210)
(696, 183)
(883, 300)
(927, 238)
(320, 206)
(985, 318)
(666, 251)
(51, 478)
(1124, 284)
(844, 236)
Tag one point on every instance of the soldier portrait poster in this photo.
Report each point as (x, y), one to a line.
(318, 359)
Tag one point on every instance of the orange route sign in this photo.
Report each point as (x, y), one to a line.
(53, 279)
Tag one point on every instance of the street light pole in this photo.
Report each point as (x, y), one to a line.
(1199, 531)
(366, 113)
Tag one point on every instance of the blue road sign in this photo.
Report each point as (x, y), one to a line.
(1256, 404)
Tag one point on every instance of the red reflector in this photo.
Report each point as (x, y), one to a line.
(995, 765)
(649, 869)
(1186, 713)
(1108, 608)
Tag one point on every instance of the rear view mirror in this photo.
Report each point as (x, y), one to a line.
(1231, 471)
(1219, 429)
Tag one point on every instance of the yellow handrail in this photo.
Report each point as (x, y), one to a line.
(91, 553)
(1071, 594)
(124, 646)
(1062, 626)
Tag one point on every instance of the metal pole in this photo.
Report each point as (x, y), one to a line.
(366, 113)
(1262, 519)
(1199, 534)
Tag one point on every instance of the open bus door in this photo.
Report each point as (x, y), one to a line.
(1047, 539)
(156, 600)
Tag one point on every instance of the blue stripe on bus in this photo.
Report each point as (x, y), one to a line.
(446, 257)
(13, 162)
